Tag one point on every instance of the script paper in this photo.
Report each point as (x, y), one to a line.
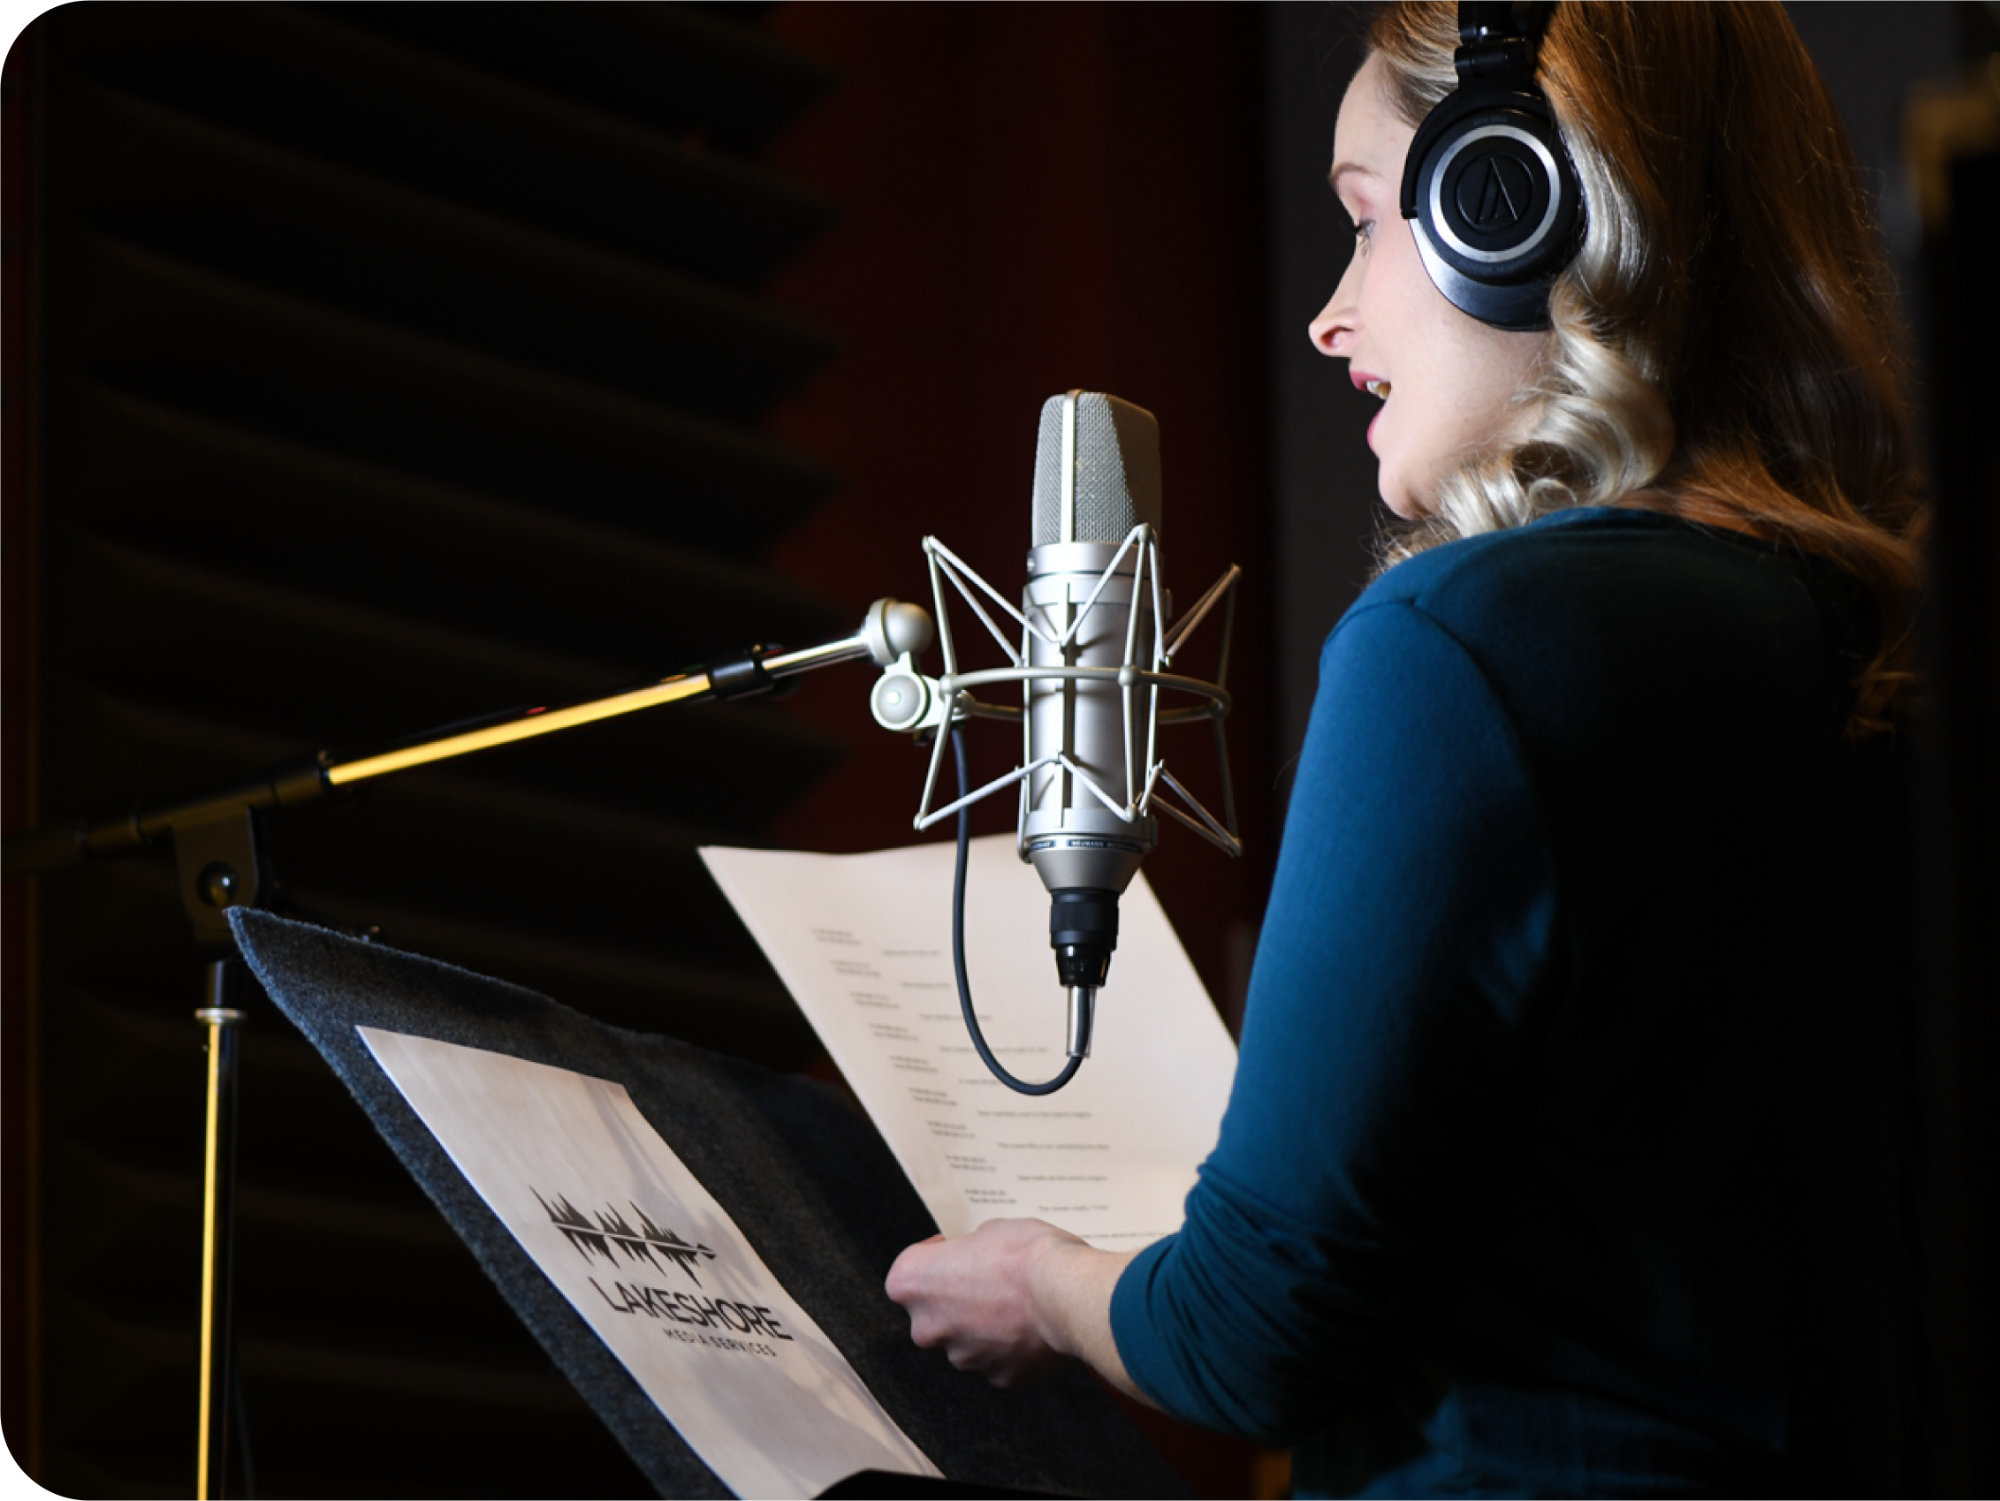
(654, 1265)
(864, 944)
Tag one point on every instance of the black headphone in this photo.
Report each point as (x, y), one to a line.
(1488, 180)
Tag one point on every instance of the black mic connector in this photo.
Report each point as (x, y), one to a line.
(742, 675)
(1083, 930)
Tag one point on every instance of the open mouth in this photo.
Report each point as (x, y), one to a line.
(1379, 389)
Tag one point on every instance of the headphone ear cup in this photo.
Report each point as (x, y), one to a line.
(1495, 204)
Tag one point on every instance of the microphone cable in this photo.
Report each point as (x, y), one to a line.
(1020, 1086)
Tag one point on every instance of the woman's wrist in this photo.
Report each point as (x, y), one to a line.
(1052, 1295)
(1069, 1286)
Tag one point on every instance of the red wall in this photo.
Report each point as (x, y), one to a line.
(1037, 198)
(1034, 198)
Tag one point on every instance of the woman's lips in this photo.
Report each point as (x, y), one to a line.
(1376, 386)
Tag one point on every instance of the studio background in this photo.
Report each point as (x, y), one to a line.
(369, 367)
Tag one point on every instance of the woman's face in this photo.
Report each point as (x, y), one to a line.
(1444, 378)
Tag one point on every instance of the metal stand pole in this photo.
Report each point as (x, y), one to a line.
(215, 837)
(217, 1206)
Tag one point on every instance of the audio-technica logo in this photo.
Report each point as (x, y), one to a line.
(608, 1229)
(1493, 192)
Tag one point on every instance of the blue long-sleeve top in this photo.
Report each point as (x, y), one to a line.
(1566, 1152)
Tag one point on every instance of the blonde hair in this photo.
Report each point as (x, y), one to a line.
(1725, 346)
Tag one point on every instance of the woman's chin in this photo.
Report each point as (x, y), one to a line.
(1398, 499)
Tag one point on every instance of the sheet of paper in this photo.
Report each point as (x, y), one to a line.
(864, 944)
(654, 1265)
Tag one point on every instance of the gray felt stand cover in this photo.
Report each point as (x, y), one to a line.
(801, 1173)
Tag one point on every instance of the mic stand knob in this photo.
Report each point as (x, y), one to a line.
(903, 698)
(894, 629)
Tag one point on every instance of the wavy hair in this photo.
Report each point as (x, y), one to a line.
(1725, 346)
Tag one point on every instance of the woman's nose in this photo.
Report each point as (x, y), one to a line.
(1330, 332)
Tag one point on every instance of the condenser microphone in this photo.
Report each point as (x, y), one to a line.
(1097, 476)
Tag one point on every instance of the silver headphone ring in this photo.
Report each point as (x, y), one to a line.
(1541, 232)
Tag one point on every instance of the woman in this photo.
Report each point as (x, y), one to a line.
(1566, 1152)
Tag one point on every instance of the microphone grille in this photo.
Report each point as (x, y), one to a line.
(1115, 461)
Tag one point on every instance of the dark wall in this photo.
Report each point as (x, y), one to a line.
(379, 367)
(330, 415)
(373, 366)
(1034, 198)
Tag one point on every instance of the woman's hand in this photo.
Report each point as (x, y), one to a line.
(1010, 1299)
(973, 1297)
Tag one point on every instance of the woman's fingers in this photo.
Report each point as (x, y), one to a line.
(971, 1297)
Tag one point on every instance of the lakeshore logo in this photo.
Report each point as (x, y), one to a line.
(717, 1322)
(597, 1236)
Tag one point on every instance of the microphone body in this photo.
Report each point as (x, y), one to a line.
(1092, 665)
(1097, 475)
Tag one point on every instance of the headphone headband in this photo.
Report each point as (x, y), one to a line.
(1492, 48)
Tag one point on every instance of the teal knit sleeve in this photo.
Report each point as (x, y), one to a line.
(1406, 943)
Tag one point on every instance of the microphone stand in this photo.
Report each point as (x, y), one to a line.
(220, 864)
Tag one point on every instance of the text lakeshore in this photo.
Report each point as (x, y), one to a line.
(697, 1313)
